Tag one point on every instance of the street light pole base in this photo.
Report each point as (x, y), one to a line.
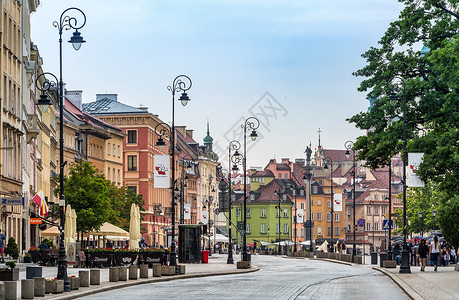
(405, 263)
(230, 259)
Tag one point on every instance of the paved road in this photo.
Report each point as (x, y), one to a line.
(279, 278)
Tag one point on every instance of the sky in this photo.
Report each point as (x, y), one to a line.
(289, 63)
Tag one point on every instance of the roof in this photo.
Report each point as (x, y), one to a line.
(108, 106)
(337, 155)
(263, 173)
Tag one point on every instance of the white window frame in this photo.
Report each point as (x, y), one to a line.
(285, 227)
(263, 228)
(263, 212)
(285, 212)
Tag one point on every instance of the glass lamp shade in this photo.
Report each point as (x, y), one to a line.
(235, 169)
(44, 100)
(347, 153)
(184, 99)
(253, 135)
(160, 142)
(76, 40)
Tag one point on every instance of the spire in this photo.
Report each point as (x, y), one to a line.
(208, 140)
(319, 137)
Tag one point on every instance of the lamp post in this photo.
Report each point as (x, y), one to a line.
(328, 161)
(349, 146)
(250, 123)
(209, 202)
(420, 222)
(178, 85)
(294, 188)
(405, 263)
(307, 181)
(183, 185)
(65, 22)
(389, 243)
(279, 193)
(233, 146)
(434, 214)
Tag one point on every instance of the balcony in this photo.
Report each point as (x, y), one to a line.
(157, 210)
(31, 127)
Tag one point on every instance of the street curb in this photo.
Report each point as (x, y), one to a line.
(335, 261)
(404, 286)
(117, 285)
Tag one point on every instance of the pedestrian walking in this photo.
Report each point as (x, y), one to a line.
(434, 252)
(422, 251)
(2, 245)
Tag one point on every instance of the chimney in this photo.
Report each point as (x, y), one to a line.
(113, 97)
(75, 97)
(144, 108)
(189, 132)
(285, 161)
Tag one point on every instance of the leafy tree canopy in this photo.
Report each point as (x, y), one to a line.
(121, 200)
(427, 80)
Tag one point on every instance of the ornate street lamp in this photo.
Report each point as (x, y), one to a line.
(434, 214)
(349, 146)
(405, 263)
(420, 222)
(278, 207)
(233, 146)
(181, 83)
(307, 182)
(210, 201)
(252, 124)
(65, 22)
(329, 161)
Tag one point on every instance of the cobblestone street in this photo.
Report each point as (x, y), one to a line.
(278, 278)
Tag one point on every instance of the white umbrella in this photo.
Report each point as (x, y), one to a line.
(74, 226)
(139, 235)
(306, 243)
(68, 225)
(133, 243)
(324, 246)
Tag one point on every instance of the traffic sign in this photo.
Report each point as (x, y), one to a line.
(386, 224)
(13, 201)
(361, 222)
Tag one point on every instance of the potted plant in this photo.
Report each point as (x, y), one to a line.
(167, 270)
(54, 286)
(27, 258)
(11, 273)
(12, 248)
(74, 282)
(151, 255)
(34, 254)
(100, 257)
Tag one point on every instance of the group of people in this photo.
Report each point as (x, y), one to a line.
(438, 253)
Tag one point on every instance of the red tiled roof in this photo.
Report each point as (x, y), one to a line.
(337, 155)
(263, 173)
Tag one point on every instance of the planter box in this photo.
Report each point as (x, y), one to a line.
(151, 257)
(54, 286)
(7, 275)
(125, 258)
(74, 283)
(35, 256)
(100, 259)
(167, 270)
(389, 264)
(27, 259)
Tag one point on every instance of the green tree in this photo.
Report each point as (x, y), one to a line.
(121, 200)
(87, 191)
(430, 89)
(12, 248)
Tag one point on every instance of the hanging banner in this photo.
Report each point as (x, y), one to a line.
(338, 202)
(161, 171)
(187, 211)
(300, 215)
(205, 217)
(414, 161)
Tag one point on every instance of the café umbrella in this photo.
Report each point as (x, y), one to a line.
(74, 225)
(133, 228)
(68, 225)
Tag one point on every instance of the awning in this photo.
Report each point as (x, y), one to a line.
(52, 231)
(110, 229)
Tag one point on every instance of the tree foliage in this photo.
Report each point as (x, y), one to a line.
(121, 200)
(428, 82)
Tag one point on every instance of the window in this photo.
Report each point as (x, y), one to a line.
(285, 176)
(263, 228)
(329, 204)
(319, 216)
(349, 228)
(132, 163)
(329, 217)
(277, 228)
(336, 217)
(302, 205)
(108, 173)
(319, 230)
(248, 228)
(280, 176)
(113, 178)
(376, 197)
(277, 212)
(329, 231)
(301, 192)
(376, 226)
(348, 210)
(109, 149)
(285, 212)
(315, 189)
(119, 151)
(376, 210)
(369, 210)
(248, 212)
(113, 150)
(263, 212)
(252, 197)
(285, 228)
(312, 216)
(132, 136)
(119, 176)
(368, 226)
(384, 210)
(319, 201)
(302, 231)
(133, 189)
(238, 212)
(336, 231)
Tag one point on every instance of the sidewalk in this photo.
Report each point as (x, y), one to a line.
(217, 266)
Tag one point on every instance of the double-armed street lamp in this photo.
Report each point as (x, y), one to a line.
(420, 223)
(186, 166)
(329, 161)
(307, 182)
(209, 202)
(232, 158)
(65, 22)
(278, 207)
(349, 146)
(405, 263)
(434, 214)
(181, 83)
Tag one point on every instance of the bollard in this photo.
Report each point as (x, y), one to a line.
(27, 289)
(11, 290)
(84, 278)
(94, 278)
(143, 271)
(113, 274)
(122, 274)
(39, 287)
(156, 270)
(133, 272)
(2, 290)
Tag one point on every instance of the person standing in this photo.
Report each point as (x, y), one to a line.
(2, 245)
(422, 251)
(434, 252)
